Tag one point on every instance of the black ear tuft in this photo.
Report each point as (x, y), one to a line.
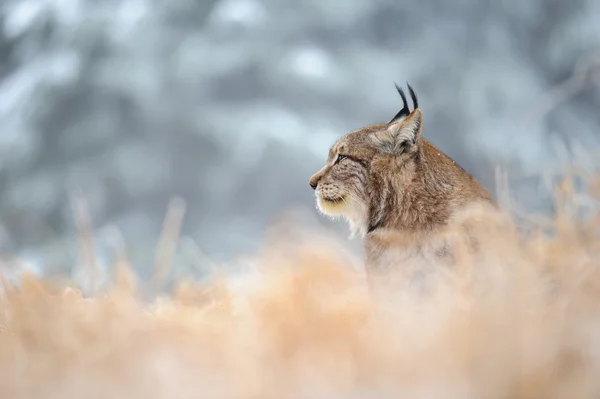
(404, 112)
(401, 92)
(413, 96)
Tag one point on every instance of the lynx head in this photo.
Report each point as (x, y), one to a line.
(366, 164)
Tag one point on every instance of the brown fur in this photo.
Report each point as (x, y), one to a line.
(392, 180)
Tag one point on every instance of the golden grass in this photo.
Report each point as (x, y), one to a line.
(518, 319)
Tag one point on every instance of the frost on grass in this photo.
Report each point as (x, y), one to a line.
(518, 318)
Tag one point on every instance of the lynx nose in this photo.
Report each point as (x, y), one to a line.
(314, 179)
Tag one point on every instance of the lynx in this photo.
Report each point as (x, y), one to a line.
(385, 179)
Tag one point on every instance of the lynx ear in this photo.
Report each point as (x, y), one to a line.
(402, 135)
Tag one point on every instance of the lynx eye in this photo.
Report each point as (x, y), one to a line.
(339, 158)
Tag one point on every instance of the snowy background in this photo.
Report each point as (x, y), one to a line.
(233, 104)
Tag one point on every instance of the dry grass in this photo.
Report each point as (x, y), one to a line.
(518, 319)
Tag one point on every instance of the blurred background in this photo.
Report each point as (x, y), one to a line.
(231, 105)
